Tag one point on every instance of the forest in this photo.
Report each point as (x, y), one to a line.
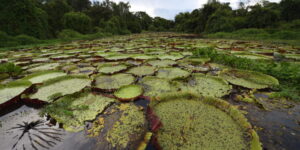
(36, 21)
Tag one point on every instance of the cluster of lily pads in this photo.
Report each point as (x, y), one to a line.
(99, 81)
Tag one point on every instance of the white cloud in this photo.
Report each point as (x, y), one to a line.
(169, 8)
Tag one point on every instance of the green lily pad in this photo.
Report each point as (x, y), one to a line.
(129, 92)
(154, 86)
(73, 110)
(207, 86)
(174, 56)
(142, 70)
(40, 77)
(110, 69)
(162, 63)
(44, 67)
(253, 56)
(12, 90)
(249, 79)
(60, 86)
(172, 73)
(113, 82)
(193, 122)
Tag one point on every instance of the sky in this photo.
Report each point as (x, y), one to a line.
(169, 8)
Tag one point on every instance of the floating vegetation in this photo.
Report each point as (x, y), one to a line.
(110, 69)
(40, 77)
(113, 82)
(129, 92)
(249, 79)
(73, 110)
(142, 71)
(12, 90)
(44, 67)
(120, 127)
(172, 73)
(154, 86)
(192, 122)
(60, 86)
(162, 63)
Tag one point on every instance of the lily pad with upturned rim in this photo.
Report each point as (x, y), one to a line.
(129, 92)
(111, 69)
(154, 86)
(142, 70)
(60, 86)
(113, 82)
(205, 123)
(172, 73)
(162, 63)
(249, 79)
(40, 77)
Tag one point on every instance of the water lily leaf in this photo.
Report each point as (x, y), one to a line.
(73, 110)
(162, 63)
(203, 123)
(129, 92)
(172, 73)
(142, 71)
(63, 85)
(40, 77)
(249, 79)
(110, 69)
(154, 86)
(113, 82)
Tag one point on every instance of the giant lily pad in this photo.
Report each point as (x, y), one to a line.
(12, 90)
(113, 82)
(120, 127)
(162, 63)
(249, 79)
(207, 86)
(142, 70)
(73, 110)
(154, 86)
(129, 92)
(172, 73)
(40, 77)
(110, 69)
(44, 67)
(60, 86)
(191, 122)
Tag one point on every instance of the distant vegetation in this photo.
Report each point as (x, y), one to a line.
(36, 21)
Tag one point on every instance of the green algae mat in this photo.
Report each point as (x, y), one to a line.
(111, 93)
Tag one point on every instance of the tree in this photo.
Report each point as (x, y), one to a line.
(267, 17)
(290, 9)
(220, 21)
(23, 17)
(77, 21)
(144, 19)
(79, 5)
(56, 10)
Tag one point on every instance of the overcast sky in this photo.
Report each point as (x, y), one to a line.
(169, 8)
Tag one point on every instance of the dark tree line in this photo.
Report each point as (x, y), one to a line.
(47, 18)
(220, 17)
(44, 19)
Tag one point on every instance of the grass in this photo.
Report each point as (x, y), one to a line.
(10, 69)
(287, 73)
(291, 37)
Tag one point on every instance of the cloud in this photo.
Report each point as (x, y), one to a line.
(169, 8)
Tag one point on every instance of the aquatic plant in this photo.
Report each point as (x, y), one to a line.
(42, 76)
(129, 92)
(113, 82)
(142, 70)
(172, 73)
(111, 69)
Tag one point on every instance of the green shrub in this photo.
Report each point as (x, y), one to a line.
(77, 21)
(25, 39)
(6, 40)
(10, 69)
(69, 34)
(287, 35)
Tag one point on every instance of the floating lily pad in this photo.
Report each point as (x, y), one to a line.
(162, 63)
(249, 79)
(110, 69)
(142, 70)
(207, 86)
(44, 67)
(191, 122)
(129, 92)
(172, 73)
(113, 82)
(12, 90)
(73, 110)
(40, 77)
(143, 57)
(252, 56)
(120, 127)
(60, 86)
(174, 56)
(154, 86)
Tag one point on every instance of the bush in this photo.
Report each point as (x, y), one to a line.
(69, 34)
(6, 40)
(10, 69)
(77, 21)
(287, 35)
(25, 39)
